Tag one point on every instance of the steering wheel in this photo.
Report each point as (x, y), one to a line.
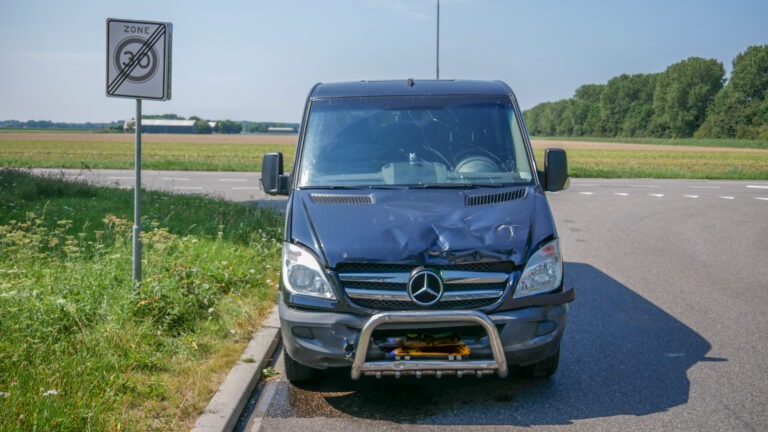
(476, 164)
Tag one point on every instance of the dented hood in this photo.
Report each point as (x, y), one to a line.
(415, 226)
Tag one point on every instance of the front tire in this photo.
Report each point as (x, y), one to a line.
(297, 372)
(543, 369)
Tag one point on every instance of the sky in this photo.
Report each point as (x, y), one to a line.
(257, 60)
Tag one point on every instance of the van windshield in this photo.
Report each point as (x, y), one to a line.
(413, 141)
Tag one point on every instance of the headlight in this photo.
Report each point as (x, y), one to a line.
(303, 275)
(543, 273)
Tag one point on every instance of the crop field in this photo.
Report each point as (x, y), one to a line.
(686, 142)
(690, 158)
(83, 347)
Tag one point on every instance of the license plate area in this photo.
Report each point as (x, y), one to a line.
(424, 344)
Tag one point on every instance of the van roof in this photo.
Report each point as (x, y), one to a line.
(409, 87)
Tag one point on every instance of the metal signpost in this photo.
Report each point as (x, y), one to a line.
(138, 67)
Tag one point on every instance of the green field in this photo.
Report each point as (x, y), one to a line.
(83, 347)
(720, 164)
(119, 155)
(697, 142)
(665, 164)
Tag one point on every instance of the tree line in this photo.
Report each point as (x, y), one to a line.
(691, 98)
(47, 124)
(202, 126)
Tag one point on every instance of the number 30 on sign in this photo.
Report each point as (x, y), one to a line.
(139, 59)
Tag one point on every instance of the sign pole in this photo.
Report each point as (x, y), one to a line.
(138, 67)
(137, 200)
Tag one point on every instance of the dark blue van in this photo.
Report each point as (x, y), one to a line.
(418, 237)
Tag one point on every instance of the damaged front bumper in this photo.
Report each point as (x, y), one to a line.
(323, 339)
(436, 367)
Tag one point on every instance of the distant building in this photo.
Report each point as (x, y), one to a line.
(162, 126)
(285, 130)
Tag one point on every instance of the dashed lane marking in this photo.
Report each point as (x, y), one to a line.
(621, 193)
(586, 193)
(691, 196)
(757, 186)
(656, 195)
(726, 197)
(761, 198)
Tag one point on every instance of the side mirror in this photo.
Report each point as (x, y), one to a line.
(555, 170)
(273, 181)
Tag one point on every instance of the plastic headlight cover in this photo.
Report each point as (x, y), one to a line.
(543, 273)
(303, 275)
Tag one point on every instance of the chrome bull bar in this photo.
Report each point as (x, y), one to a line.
(429, 367)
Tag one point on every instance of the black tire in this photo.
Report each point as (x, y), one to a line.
(543, 369)
(297, 372)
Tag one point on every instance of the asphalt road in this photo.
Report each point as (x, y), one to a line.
(668, 330)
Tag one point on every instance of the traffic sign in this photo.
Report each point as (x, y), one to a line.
(139, 59)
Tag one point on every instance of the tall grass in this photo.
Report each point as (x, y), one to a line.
(82, 346)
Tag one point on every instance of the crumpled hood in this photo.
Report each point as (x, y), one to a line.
(416, 226)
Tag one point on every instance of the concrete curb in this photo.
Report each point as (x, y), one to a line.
(228, 402)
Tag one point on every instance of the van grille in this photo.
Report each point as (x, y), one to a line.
(385, 286)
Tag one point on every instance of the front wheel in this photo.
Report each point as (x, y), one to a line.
(297, 372)
(543, 369)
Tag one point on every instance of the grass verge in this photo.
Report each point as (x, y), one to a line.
(700, 142)
(83, 347)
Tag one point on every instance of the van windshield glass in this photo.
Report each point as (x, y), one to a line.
(414, 141)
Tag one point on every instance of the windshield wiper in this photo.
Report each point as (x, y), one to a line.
(356, 187)
(457, 186)
(335, 187)
(443, 186)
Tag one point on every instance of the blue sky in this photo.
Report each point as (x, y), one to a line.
(256, 60)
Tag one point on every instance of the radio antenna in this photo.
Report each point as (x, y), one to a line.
(437, 58)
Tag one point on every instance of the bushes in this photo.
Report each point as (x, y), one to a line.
(687, 99)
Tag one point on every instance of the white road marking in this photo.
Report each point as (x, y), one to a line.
(757, 186)
(175, 178)
(726, 197)
(621, 193)
(586, 193)
(704, 187)
(656, 195)
(245, 188)
(121, 178)
(188, 187)
(691, 196)
(761, 198)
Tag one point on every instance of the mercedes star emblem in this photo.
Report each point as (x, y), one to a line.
(425, 287)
